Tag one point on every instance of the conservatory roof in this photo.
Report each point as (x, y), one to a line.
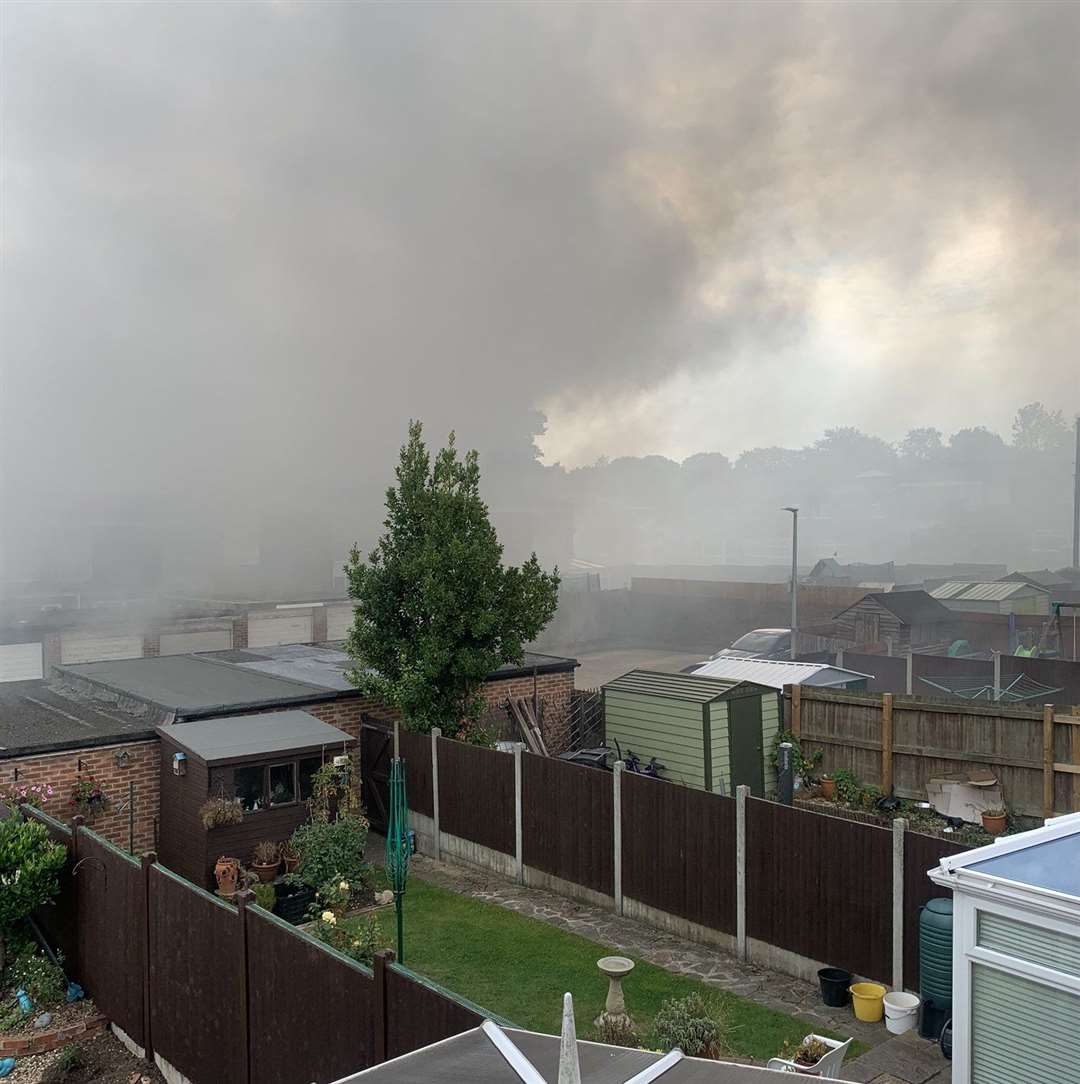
(245, 736)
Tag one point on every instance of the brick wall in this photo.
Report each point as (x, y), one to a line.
(62, 769)
(553, 691)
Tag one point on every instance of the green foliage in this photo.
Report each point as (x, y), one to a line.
(70, 1059)
(805, 767)
(437, 609)
(265, 896)
(43, 980)
(1036, 429)
(616, 1031)
(333, 792)
(333, 851)
(30, 867)
(359, 940)
(695, 1024)
(848, 787)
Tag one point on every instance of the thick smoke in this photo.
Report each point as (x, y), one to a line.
(244, 244)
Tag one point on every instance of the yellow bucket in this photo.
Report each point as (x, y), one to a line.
(866, 1000)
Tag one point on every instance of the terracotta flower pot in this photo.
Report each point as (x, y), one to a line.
(226, 873)
(994, 823)
(291, 864)
(828, 788)
(266, 873)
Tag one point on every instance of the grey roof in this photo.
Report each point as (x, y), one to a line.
(911, 607)
(37, 718)
(1042, 577)
(1054, 864)
(776, 673)
(699, 690)
(313, 664)
(534, 660)
(471, 1058)
(214, 740)
(994, 591)
(192, 684)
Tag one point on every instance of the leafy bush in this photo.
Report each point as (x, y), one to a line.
(616, 1031)
(43, 980)
(333, 851)
(265, 896)
(334, 793)
(694, 1024)
(848, 787)
(30, 865)
(805, 767)
(359, 942)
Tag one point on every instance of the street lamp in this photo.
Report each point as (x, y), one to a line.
(794, 574)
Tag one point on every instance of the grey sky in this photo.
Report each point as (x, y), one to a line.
(244, 243)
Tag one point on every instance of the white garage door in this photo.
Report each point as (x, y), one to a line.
(99, 648)
(182, 643)
(338, 622)
(20, 662)
(268, 631)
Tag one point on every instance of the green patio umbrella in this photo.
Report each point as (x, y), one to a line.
(397, 845)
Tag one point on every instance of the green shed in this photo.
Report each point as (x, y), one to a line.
(710, 733)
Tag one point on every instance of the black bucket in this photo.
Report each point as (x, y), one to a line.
(834, 986)
(932, 1019)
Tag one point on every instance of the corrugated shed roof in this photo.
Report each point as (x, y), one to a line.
(691, 687)
(994, 591)
(776, 673)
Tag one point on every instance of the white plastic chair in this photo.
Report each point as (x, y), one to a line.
(828, 1067)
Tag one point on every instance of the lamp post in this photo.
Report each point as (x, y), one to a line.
(794, 574)
(397, 846)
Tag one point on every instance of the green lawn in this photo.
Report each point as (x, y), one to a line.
(519, 968)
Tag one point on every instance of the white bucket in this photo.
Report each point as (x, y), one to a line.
(901, 1011)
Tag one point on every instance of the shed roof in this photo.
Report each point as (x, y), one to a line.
(911, 607)
(992, 591)
(699, 690)
(1042, 577)
(776, 673)
(194, 684)
(267, 733)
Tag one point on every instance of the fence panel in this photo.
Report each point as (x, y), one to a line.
(197, 980)
(820, 886)
(298, 1032)
(567, 815)
(111, 894)
(678, 850)
(418, 1013)
(476, 794)
(416, 752)
(920, 854)
(57, 919)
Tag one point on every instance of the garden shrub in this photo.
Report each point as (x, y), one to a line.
(333, 851)
(357, 940)
(616, 1031)
(265, 896)
(43, 980)
(695, 1024)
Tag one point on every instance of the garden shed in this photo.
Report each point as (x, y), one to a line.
(264, 762)
(1016, 956)
(708, 732)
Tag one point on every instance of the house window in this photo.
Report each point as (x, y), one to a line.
(282, 784)
(308, 767)
(248, 788)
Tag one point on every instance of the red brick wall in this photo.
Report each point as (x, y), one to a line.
(60, 770)
(553, 692)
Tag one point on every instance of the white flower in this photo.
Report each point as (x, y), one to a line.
(330, 917)
(344, 886)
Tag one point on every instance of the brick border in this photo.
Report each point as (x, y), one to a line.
(26, 1045)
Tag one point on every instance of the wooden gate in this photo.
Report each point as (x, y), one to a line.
(376, 752)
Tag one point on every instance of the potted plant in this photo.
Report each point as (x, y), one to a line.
(994, 820)
(265, 860)
(828, 787)
(220, 811)
(227, 874)
(290, 855)
(294, 897)
(265, 896)
(808, 1057)
(87, 797)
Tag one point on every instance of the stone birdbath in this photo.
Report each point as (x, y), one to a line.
(615, 968)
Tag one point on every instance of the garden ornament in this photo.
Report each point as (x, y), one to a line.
(43, 1021)
(7, 1066)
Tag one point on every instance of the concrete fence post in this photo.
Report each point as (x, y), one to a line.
(519, 831)
(742, 944)
(909, 683)
(436, 734)
(997, 676)
(840, 657)
(616, 822)
(899, 827)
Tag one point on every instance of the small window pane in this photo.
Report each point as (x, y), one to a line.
(248, 787)
(282, 784)
(308, 767)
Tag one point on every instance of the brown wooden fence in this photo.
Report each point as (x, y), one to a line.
(678, 851)
(820, 887)
(222, 992)
(567, 815)
(476, 794)
(416, 752)
(900, 743)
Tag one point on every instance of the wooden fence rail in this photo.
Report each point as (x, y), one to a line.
(902, 742)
